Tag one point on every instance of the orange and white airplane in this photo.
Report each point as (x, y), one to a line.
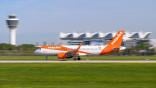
(74, 51)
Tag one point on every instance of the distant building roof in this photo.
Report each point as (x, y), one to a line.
(100, 35)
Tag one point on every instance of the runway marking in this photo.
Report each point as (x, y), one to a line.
(82, 61)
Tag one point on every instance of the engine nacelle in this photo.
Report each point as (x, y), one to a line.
(61, 56)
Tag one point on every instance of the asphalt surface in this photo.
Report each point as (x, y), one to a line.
(81, 61)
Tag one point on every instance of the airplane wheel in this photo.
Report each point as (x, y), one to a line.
(78, 58)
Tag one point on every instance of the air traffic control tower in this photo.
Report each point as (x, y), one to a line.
(12, 23)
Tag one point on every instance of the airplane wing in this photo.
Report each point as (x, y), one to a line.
(70, 54)
(74, 52)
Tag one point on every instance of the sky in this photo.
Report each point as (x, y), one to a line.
(43, 20)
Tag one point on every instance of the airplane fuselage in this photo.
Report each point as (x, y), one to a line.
(84, 49)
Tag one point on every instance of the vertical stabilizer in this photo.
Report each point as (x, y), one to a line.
(114, 44)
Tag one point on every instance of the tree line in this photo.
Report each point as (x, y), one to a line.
(23, 49)
(5, 46)
(142, 48)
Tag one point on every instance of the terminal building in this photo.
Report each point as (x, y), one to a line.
(130, 39)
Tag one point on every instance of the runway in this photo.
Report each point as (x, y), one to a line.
(81, 61)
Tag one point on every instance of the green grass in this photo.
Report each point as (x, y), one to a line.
(120, 57)
(77, 75)
(83, 57)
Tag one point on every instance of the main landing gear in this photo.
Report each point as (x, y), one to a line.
(76, 58)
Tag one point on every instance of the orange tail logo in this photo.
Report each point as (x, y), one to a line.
(115, 43)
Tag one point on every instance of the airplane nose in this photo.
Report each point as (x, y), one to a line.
(38, 51)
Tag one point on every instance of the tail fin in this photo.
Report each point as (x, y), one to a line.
(114, 44)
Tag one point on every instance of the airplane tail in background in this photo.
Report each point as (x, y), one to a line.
(114, 44)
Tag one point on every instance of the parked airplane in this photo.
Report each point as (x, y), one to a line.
(74, 51)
